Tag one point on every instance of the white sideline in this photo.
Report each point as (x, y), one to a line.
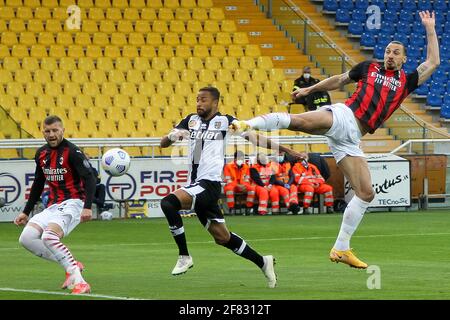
(69, 294)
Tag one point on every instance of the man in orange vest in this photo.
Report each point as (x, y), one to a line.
(237, 179)
(283, 180)
(310, 181)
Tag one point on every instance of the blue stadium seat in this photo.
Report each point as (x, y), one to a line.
(361, 4)
(342, 16)
(410, 66)
(445, 40)
(359, 15)
(378, 51)
(445, 65)
(422, 90)
(417, 27)
(403, 27)
(390, 15)
(434, 100)
(424, 5)
(330, 5)
(445, 52)
(417, 40)
(387, 28)
(367, 40)
(440, 18)
(446, 100)
(393, 5)
(413, 52)
(440, 5)
(445, 111)
(437, 88)
(409, 5)
(346, 4)
(383, 39)
(402, 37)
(379, 3)
(406, 16)
(355, 27)
(447, 24)
(439, 76)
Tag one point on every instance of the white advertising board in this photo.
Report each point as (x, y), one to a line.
(391, 181)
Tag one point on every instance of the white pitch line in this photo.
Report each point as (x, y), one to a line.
(69, 294)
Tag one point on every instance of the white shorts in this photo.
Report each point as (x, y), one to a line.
(344, 136)
(65, 214)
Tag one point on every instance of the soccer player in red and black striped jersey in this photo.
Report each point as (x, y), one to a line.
(380, 91)
(72, 187)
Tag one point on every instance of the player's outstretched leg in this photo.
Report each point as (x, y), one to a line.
(267, 122)
(170, 205)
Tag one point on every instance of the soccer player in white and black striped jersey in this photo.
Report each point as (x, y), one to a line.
(206, 131)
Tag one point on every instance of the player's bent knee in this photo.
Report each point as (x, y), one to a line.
(367, 196)
(170, 203)
(24, 240)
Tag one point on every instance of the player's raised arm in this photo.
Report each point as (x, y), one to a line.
(332, 83)
(432, 62)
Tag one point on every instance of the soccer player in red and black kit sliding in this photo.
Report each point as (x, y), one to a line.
(72, 187)
(380, 91)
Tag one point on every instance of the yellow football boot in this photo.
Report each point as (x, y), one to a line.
(347, 257)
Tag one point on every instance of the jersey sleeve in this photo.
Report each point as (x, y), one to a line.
(184, 123)
(36, 188)
(412, 81)
(357, 72)
(84, 169)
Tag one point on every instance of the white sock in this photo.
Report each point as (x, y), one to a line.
(30, 239)
(271, 121)
(353, 215)
(62, 254)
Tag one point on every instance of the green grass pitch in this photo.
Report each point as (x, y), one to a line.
(133, 258)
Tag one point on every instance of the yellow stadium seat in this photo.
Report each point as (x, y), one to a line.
(121, 101)
(38, 51)
(171, 39)
(4, 50)
(43, 102)
(136, 39)
(7, 13)
(89, 26)
(93, 51)
(137, 4)
(96, 14)
(59, 13)
(51, 88)
(188, 3)
(20, 51)
(252, 50)
(116, 76)
(160, 63)
(240, 38)
(22, 76)
(79, 76)
(199, 14)
(178, 101)
(254, 87)
(211, 26)
(16, 25)
(129, 51)
(57, 51)
(85, 64)
(284, 98)
(194, 26)
(67, 63)
(191, 100)
(221, 86)
(163, 126)
(9, 38)
(105, 64)
(164, 88)
(147, 51)
(218, 51)
(216, 14)
(118, 39)
(152, 76)
(123, 64)
(189, 75)
(14, 89)
(138, 101)
(241, 75)
(41, 13)
(223, 38)
(159, 26)
(131, 14)
(165, 51)
(5, 76)
(154, 39)
(134, 76)
(148, 14)
(145, 127)
(141, 63)
(277, 74)
(26, 101)
(177, 26)
(66, 3)
(125, 26)
(206, 38)
(103, 3)
(115, 113)
(95, 114)
(189, 39)
(126, 126)
(103, 102)
(77, 114)
(195, 63)
(201, 51)
(83, 102)
(71, 89)
(271, 86)
(63, 38)
(177, 63)
(141, 26)
(11, 63)
(236, 87)
(244, 112)
(224, 75)
(27, 38)
(212, 63)
(235, 51)
(34, 89)
(109, 88)
(248, 100)
(60, 76)
(171, 4)
(228, 26)
(114, 14)
(206, 75)
(100, 39)
(127, 88)
(90, 89)
(6, 101)
(267, 99)
(158, 101)
(183, 51)
(164, 14)
(51, 25)
(97, 76)
(205, 3)
(247, 63)
(3, 27)
(75, 51)
(230, 63)
(29, 63)
(107, 26)
(231, 100)
(49, 64)
(107, 125)
(259, 75)
(264, 62)
(224, 109)
(183, 14)
(182, 88)
(146, 88)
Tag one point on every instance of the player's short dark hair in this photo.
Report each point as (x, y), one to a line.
(51, 120)
(400, 43)
(239, 153)
(214, 92)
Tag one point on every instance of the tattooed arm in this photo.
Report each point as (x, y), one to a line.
(333, 83)
(426, 69)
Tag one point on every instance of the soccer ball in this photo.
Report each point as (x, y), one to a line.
(106, 215)
(116, 162)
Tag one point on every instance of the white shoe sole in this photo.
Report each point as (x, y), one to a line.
(182, 272)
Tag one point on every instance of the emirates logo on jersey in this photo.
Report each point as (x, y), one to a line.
(385, 81)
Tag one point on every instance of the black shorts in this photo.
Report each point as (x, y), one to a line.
(205, 199)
